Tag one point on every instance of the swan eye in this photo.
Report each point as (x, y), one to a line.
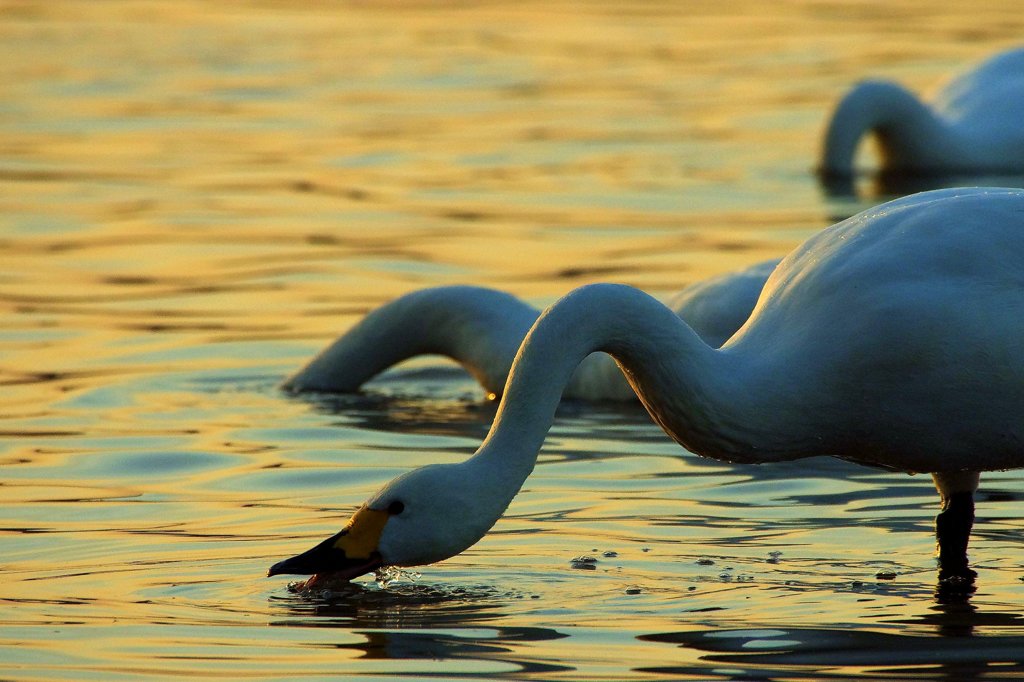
(396, 508)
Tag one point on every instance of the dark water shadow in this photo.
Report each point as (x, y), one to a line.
(499, 646)
(421, 622)
(396, 403)
(951, 651)
(885, 185)
(357, 605)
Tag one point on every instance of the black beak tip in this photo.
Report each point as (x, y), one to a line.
(311, 561)
(321, 560)
(293, 565)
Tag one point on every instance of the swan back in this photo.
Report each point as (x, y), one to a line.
(901, 330)
(991, 92)
(984, 108)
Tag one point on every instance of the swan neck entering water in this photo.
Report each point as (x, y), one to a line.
(477, 327)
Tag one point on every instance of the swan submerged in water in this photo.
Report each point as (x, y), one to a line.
(974, 125)
(893, 339)
(482, 329)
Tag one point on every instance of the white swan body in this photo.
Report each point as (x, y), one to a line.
(894, 338)
(974, 125)
(482, 329)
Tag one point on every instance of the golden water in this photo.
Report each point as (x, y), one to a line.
(196, 196)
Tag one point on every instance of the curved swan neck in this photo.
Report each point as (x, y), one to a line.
(910, 135)
(660, 355)
(477, 327)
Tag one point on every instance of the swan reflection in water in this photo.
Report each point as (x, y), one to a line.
(955, 650)
(806, 653)
(439, 625)
(442, 627)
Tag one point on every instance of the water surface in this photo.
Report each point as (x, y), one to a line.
(197, 197)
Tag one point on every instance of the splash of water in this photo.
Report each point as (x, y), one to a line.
(385, 575)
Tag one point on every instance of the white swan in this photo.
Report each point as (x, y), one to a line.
(974, 124)
(894, 338)
(482, 329)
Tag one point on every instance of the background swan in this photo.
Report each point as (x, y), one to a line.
(482, 329)
(894, 338)
(973, 125)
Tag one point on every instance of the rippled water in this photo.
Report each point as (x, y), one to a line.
(197, 196)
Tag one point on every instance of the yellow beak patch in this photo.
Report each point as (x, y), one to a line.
(361, 535)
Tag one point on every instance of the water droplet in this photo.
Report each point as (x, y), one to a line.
(886, 574)
(584, 562)
(386, 575)
(704, 561)
(633, 589)
(610, 554)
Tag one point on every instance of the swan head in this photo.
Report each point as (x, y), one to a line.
(424, 516)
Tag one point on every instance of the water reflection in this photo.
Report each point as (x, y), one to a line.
(885, 185)
(454, 407)
(500, 644)
(422, 622)
(405, 605)
(963, 619)
(810, 653)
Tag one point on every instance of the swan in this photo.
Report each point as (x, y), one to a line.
(892, 339)
(973, 125)
(482, 329)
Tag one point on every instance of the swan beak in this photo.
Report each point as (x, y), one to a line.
(347, 555)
